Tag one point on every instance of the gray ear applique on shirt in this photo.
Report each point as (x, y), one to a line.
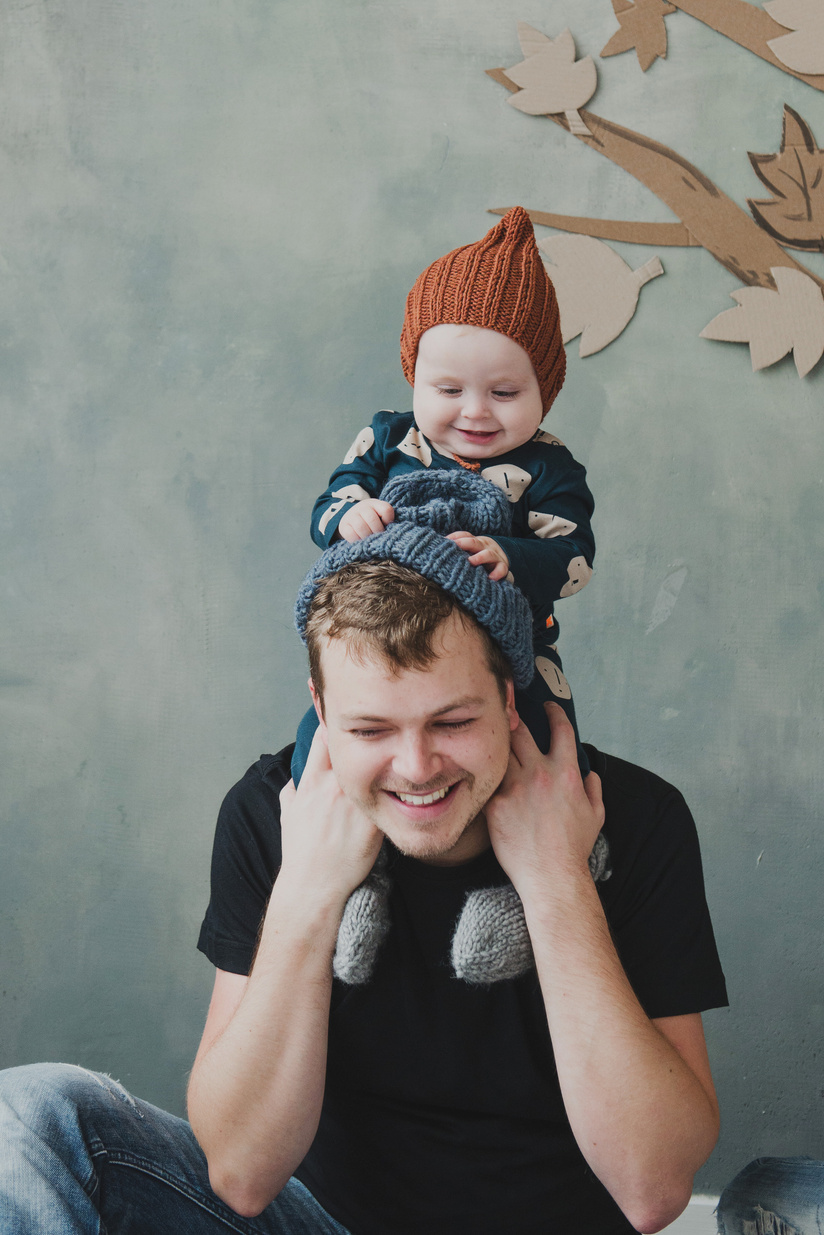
(363, 926)
(491, 941)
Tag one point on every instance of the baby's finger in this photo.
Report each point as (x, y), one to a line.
(385, 511)
(464, 540)
(487, 558)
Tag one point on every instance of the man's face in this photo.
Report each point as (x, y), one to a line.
(421, 752)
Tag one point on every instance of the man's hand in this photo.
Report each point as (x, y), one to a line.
(328, 843)
(483, 551)
(365, 519)
(543, 816)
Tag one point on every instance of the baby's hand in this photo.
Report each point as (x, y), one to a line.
(364, 519)
(483, 551)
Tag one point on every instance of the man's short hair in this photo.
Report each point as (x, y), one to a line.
(393, 613)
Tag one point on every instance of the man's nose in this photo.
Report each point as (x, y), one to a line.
(416, 759)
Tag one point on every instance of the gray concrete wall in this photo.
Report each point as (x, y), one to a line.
(210, 213)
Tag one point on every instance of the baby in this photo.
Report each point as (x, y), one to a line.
(481, 346)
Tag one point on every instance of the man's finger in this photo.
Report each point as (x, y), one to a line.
(562, 734)
(522, 744)
(318, 758)
(595, 796)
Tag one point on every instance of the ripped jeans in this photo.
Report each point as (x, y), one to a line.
(81, 1156)
(774, 1196)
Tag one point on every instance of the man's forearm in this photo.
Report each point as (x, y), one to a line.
(256, 1091)
(641, 1117)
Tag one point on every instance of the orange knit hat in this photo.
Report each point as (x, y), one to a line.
(499, 283)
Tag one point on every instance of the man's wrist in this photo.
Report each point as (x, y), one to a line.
(302, 911)
(557, 891)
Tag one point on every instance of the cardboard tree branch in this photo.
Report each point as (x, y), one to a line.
(713, 220)
(642, 27)
(774, 323)
(597, 291)
(762, 31)
(795, 214)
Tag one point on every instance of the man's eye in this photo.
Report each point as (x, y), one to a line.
(367, 733)
(456, 724)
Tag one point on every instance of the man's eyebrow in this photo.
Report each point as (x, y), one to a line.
(466, 701)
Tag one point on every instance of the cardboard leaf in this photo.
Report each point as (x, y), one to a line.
(795, 216)
(803, 50)
(597, 291)
(774, 323)
(550, 77)
(531, 40)
(642, 27)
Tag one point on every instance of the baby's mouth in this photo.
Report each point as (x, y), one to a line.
(478, 435)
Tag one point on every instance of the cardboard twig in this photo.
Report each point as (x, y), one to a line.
(713, 219)
(749, 26)
(668, 235)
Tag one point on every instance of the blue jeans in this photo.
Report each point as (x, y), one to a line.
(774, 1196)
(81, 1156)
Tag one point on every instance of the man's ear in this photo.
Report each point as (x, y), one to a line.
(318, 709)
(511, 710)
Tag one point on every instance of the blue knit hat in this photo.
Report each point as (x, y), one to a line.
(428, 505)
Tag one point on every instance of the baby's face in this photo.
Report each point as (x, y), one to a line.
(476, 393)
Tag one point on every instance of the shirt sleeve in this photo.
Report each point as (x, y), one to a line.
(245, 860)
(552, 555)
(362, 474)
(654, 900)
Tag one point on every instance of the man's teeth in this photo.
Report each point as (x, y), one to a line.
(417, 799)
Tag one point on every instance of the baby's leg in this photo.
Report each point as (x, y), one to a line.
(548, 685)
(306, 731)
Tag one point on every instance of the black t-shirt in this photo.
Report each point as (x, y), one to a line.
(442, 1111)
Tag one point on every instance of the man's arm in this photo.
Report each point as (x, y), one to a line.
(638, 1093)
(257, 1084)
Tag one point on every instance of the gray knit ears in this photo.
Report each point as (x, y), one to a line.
(491, 941)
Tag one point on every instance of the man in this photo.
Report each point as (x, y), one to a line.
(574, 1098)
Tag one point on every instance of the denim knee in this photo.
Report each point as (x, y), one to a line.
(774, 1196)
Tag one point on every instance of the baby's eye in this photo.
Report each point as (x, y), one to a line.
(449, 390)
(504, 394)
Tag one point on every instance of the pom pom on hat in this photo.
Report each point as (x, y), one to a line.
(498, 283)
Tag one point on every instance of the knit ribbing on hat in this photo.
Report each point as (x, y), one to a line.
(496, 605)
(498, 283)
